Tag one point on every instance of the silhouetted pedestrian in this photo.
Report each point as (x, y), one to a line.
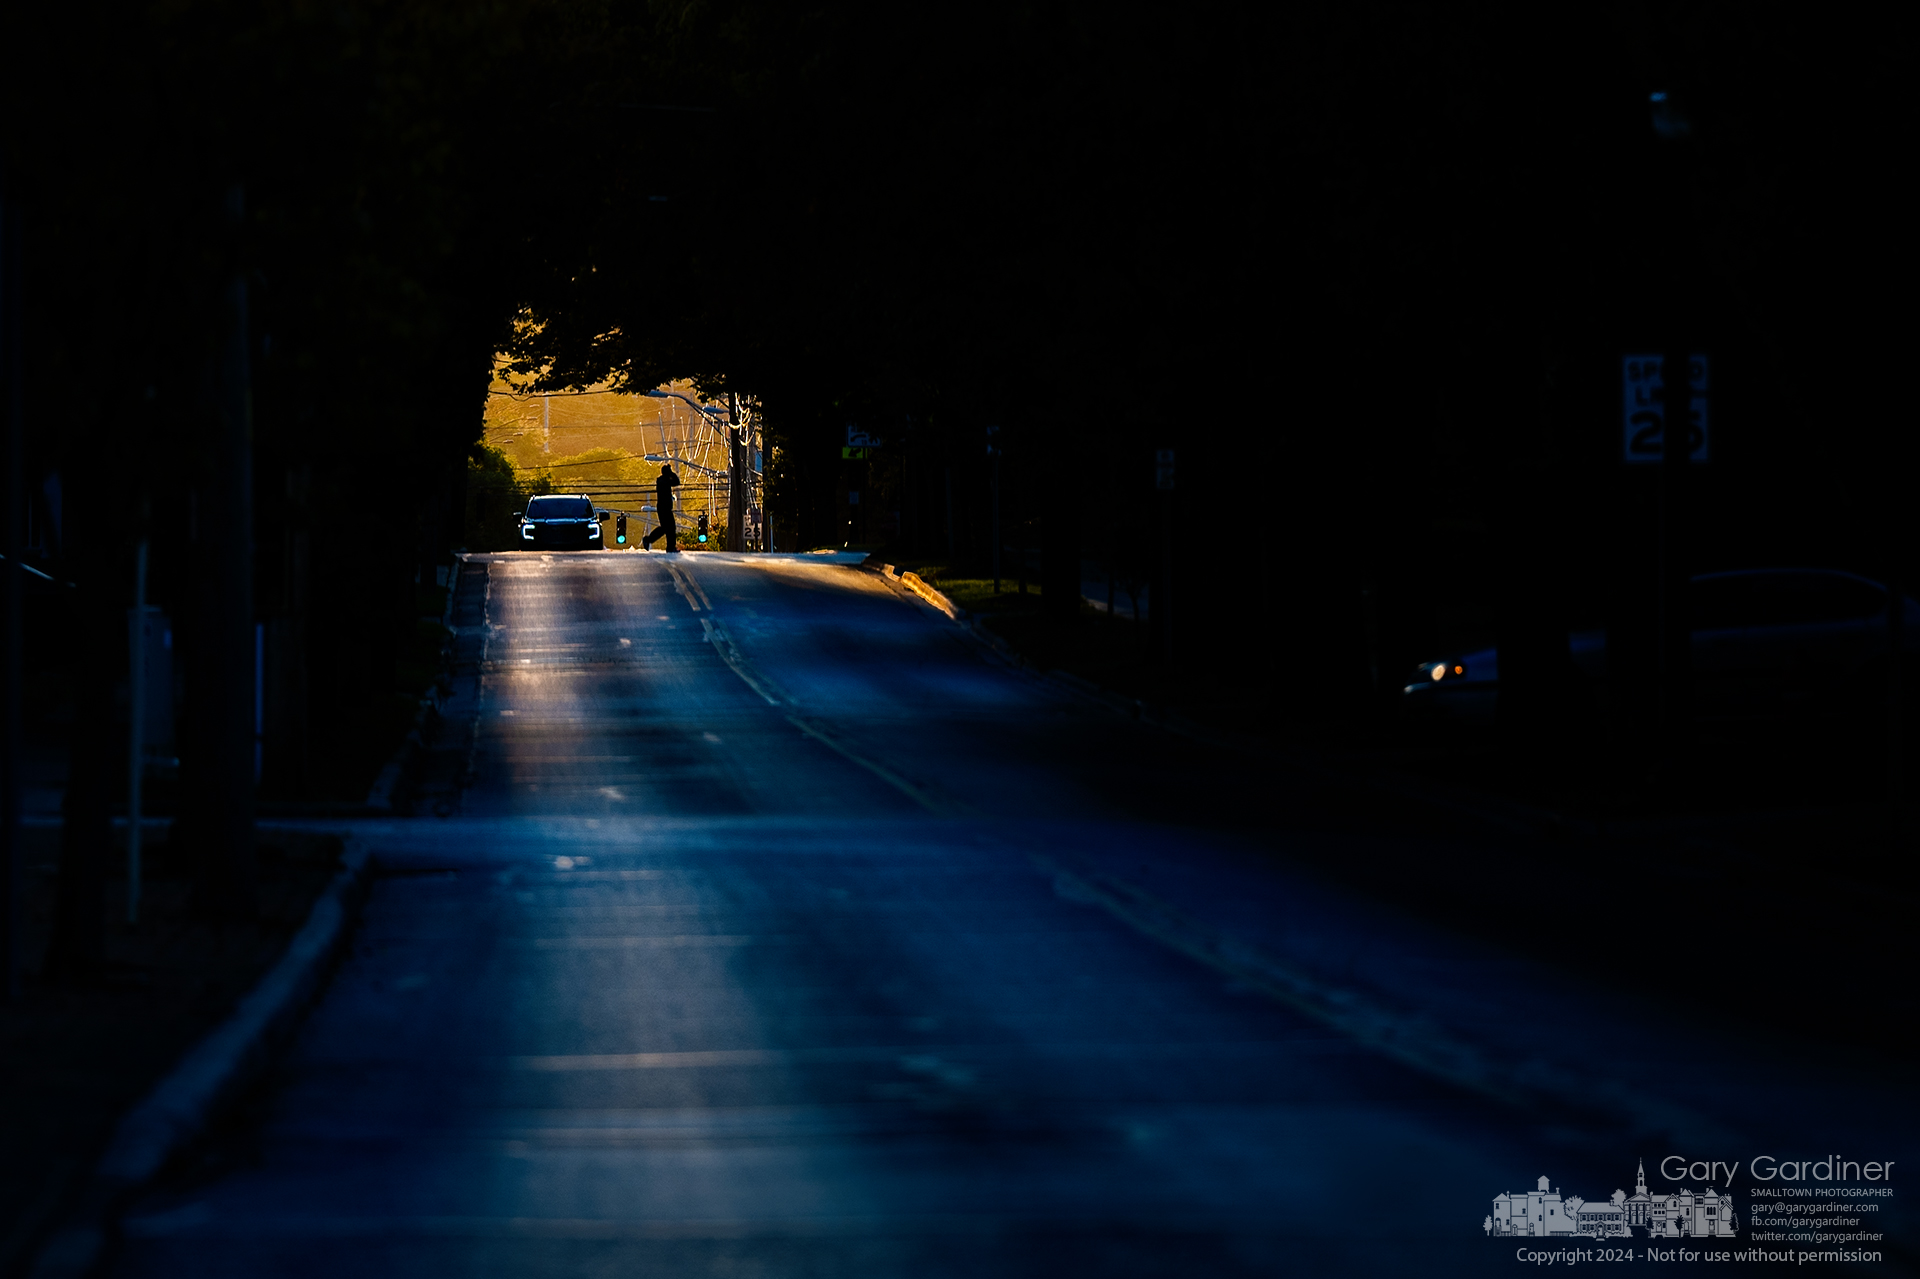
(663, 507)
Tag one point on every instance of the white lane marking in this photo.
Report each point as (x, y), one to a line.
(912, 1059)
(723, 644)
(933, 1067)
(688, 588)
(694, 583)
(684, 941)
(716, 634)
(938, 808)
(709, 1059)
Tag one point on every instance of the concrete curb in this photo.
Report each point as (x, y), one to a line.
(914, 583)
(1507, 815)
(390, 785)
(1404, 1035)
(917, 585)
(976, 626)
(213, 1072)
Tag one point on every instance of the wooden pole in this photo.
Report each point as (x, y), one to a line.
(12, 492)
(136, 724)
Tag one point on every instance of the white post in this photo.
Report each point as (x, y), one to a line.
(136, 724)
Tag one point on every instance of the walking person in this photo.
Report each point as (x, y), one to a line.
(663, 507)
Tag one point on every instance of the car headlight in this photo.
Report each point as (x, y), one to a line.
(1428, 674)
(526, 531)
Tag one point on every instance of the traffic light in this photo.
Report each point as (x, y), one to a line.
(703, 527)
(620, 529)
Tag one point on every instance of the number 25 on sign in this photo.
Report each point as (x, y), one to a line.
(1642, 408)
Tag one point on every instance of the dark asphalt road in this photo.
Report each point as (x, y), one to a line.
(781, 930)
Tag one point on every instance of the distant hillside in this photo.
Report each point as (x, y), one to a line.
(594, 442)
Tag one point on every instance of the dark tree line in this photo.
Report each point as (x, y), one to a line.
(1367, 269)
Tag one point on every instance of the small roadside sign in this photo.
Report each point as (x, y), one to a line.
(861, 438)
(1642, 410)
(1163, 468)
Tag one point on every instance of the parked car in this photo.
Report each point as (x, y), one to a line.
(1765, 642)
(556, 523)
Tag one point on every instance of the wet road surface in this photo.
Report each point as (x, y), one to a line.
(780, 928)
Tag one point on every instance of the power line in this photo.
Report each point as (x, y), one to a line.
(565, 395)
(599, 461)
(524, 396)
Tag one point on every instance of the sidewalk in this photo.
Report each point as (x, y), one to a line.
(73, 1059)
(1095, 587)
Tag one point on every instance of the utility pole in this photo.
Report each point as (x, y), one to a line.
(136, 721)
(1896, 702)
(1676, 632)
(1160, 593)
(218, 777)
(736, 477)
(763, 450)
(11, 492)
(993, 451)
(1674, 136)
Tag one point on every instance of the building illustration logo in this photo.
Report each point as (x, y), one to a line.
(1678, 1214)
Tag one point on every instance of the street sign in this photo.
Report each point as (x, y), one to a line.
(854, 453)
(1163, 468)
(1641, 410)
(861, 438)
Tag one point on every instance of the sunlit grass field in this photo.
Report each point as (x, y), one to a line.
(976, 594)
(595, 442)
